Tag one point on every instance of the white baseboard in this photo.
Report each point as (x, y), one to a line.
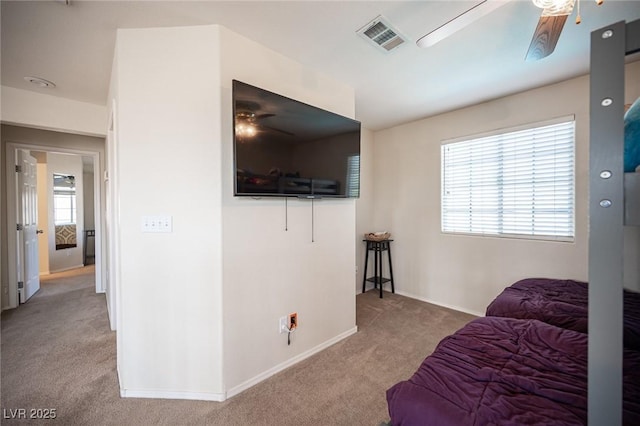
(163, 394)
(55, 271)
(444, 305)
(219, 397)
(288, 363)
(110, 315)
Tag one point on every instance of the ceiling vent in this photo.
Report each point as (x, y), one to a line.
(381, 34)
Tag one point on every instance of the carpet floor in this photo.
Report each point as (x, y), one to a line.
(57, 352)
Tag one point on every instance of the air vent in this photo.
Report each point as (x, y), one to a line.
(381, 34)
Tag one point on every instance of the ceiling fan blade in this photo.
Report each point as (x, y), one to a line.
(459, 22)
(545, 37)
(273, 129)
(259, 116)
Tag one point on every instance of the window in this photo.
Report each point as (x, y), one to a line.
(64, 199)
(353, 176)
(519, 183)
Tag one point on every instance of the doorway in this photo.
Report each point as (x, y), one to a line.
(66, 211)
(90, 160)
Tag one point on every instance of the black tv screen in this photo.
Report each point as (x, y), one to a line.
(284, 147)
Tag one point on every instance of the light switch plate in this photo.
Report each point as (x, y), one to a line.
(157, 224)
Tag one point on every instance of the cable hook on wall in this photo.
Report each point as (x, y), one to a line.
(286, 214)
(312, 222)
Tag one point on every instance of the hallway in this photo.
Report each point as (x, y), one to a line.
(58, 346)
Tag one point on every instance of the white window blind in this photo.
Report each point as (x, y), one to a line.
(353, 176)
(516, 183)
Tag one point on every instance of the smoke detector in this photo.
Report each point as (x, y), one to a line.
(381, 34)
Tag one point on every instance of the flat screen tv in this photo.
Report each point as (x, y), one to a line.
(286, 148)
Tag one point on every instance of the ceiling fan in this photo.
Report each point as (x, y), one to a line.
(554, 15)
(545, 37)
(247, 121)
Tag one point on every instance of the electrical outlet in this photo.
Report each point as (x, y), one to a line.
(293, 321)
(282, 327)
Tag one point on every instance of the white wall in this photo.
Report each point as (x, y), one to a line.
(48, 112)
(89, 210)
(168, 162)
(111, 240)
(467, 272)
(271, 272)
(61, 260)
(174, 153)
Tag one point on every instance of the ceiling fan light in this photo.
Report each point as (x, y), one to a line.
(555, 7)
(544, 4)
(245, 129)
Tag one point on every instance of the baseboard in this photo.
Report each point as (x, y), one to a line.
(55, 271)
(444, 305)
(162, 394)
(219, 397)
(288, 363)
(119, 377)
(110, 315)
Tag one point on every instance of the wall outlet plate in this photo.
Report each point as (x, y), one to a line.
(293, 321)
(156, 224)
(282, 325)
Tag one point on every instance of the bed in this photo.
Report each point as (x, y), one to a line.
(563, 303)
(506, 371)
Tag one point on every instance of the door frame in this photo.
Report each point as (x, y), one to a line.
(12, 242)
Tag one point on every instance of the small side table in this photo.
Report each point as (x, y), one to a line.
(377, 247)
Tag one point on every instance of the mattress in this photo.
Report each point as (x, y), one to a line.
(506, 371)
(563, 303)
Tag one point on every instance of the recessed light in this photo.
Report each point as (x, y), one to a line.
(40, 82)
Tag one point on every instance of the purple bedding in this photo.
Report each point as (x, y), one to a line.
(563, 303)
(506, 371)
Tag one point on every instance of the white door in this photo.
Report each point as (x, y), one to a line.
(27, 215)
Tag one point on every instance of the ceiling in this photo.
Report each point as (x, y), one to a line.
(73, 47)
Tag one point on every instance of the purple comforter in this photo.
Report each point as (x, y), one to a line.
(563, 303)
(506, 371)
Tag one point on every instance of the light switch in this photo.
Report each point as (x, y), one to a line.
(157, 224)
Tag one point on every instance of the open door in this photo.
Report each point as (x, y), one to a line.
(27, 219)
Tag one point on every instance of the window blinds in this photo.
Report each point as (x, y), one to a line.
(515, 183)
(64, 206)
(353, 176)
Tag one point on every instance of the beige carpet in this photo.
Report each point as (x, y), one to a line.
(58, 352)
